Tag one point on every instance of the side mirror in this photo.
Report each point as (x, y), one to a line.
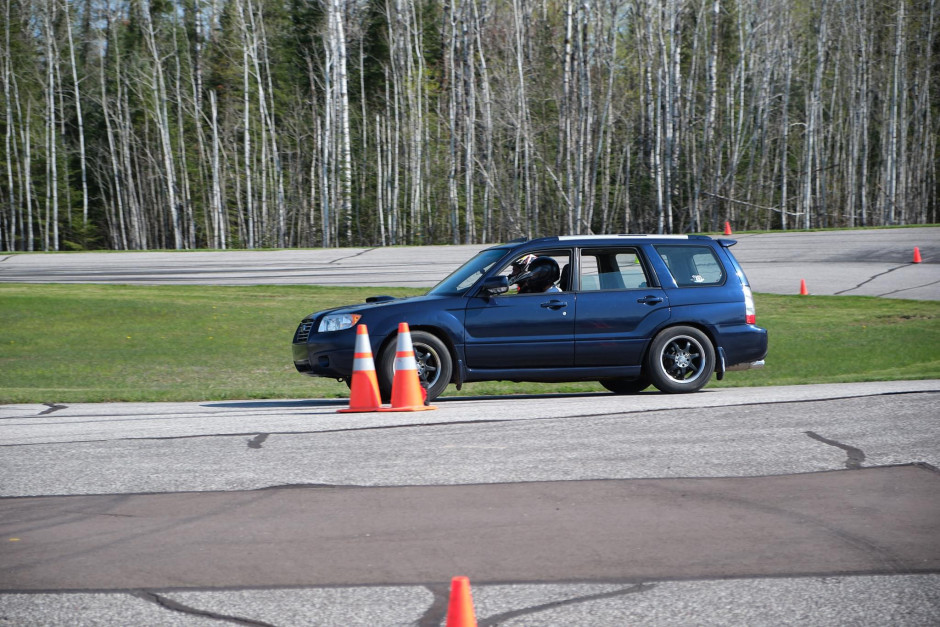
(495, 285)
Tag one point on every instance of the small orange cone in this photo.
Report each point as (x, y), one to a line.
(803, 290)
(727, 228)
(364, 390)
(460, 609)
(407, 393)
(917, 258)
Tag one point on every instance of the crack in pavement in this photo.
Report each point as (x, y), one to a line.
(175, 606)
(499, 618)
(437, 612)
(855, 456)
(359, 254)
(50, 408)
(258, 440)
(872, 278)
(908, 289)
(411, 425)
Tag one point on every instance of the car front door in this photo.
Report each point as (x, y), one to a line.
(619, 307)
(521, 330)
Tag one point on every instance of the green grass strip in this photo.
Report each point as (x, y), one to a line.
(94, 343)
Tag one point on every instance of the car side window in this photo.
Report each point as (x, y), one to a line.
(692, 265)
(521, 281)
(617, 269)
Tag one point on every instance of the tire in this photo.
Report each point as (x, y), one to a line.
(435, 366)
(625, 386)
(680, 359)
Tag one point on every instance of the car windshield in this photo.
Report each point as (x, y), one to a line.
(466, 275)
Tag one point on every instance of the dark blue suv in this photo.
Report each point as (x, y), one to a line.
(628, 311)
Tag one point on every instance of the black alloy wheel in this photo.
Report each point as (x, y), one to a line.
(432, 359)
(681, 359)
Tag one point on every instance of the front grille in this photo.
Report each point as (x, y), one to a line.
(303, 332)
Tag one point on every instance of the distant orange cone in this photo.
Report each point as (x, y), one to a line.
(803, 290)
(364, 390)
(727, 228)
(917, 258)
(460, 609)
(407, 394)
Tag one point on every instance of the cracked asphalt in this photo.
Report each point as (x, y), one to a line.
(812, 504)
(816, 503)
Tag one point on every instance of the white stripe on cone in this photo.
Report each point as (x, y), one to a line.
(363, 355)
(407, 392)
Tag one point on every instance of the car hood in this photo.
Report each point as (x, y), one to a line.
(373, 303)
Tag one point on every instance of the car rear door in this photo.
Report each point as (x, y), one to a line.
(620, 305)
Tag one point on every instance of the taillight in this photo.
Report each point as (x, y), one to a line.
(750, 314)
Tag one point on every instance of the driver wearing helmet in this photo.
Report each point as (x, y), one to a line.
(539, 275)
(518, 267)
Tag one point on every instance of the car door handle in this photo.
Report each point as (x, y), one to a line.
(555, 304)
(650, 300)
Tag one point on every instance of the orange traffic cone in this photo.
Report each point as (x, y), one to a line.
(460, 609)
(407, 394)
(364, 390)
(803, 290)
(917, 258)
(727, 228)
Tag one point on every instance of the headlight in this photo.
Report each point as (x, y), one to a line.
(337, 322)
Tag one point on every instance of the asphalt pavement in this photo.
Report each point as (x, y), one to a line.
(815, 503)
(810, 504)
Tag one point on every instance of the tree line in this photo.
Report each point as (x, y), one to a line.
(143, 124)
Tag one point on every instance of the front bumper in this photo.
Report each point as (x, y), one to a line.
(324, 354)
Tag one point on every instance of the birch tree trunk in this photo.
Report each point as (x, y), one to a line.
(814, 108)
(895, 113)
(14, 217)
(158, 87)
(79, 118)
(216, 210)
(450, 62)
(52, 178)
(523, 145)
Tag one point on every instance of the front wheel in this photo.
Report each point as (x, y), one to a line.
(681, 359)
(432, 358)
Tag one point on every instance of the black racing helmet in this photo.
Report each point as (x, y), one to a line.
(540, 275)
(519, 267)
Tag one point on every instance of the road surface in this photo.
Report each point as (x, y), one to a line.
(814, 504)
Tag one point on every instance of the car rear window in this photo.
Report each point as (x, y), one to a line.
(692, 266)
(611, 269)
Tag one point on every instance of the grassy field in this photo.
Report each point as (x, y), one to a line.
(92, 343)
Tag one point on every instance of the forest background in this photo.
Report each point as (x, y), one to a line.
(181, 124)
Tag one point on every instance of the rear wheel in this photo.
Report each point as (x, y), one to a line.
(625, 386)
(681, 359)
(431, 357)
